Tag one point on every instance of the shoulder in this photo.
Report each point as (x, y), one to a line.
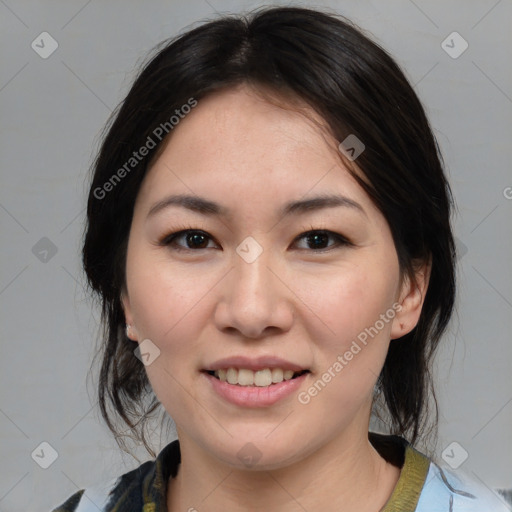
(449, 490)
(144, 487)
(104, 497)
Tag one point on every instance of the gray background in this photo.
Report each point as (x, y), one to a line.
(52, 111)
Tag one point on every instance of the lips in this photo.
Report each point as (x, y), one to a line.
(250, 396)
(255, 382)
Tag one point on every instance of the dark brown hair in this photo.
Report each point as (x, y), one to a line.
(324, 62)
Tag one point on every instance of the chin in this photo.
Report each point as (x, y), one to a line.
(258, 453)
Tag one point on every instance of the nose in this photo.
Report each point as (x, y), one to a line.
(255, 299)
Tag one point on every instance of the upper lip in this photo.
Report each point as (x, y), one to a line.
(253, 363)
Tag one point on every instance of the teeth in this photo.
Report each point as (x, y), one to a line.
(277, 375)
(245, 377)
(232, 376)
(287, 374)
(260, 378)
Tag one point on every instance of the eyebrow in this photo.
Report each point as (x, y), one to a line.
(210, 208)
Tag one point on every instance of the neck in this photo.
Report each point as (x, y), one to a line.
(357, 478)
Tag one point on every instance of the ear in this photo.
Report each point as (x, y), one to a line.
(125, 301)
(411, 298)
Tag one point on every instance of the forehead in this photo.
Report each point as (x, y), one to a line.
(239, 143)
(247, 121)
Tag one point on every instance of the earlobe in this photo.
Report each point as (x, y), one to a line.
(131, 332)
(412, 297)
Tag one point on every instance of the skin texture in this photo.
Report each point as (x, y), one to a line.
(202, 304)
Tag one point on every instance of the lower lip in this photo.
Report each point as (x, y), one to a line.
(254, 396)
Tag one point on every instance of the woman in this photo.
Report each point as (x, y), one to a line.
(269, 233)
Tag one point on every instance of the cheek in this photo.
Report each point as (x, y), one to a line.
(347, 302)
(352, 340)
(168, 309)
(163, 296)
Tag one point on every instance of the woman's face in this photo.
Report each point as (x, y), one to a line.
(250, 284)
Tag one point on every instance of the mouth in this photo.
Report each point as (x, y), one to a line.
(262, 387)
(244, 377)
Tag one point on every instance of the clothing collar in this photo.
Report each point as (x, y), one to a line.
(394, 449)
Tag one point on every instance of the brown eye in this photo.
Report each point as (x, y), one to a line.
(193, 239)
(318, 240)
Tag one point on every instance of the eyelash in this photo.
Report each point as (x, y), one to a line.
(169, 240)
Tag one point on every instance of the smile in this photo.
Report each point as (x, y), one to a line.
(260, 378)
(254, 395)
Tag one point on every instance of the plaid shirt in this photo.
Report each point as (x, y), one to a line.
(423, 486)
